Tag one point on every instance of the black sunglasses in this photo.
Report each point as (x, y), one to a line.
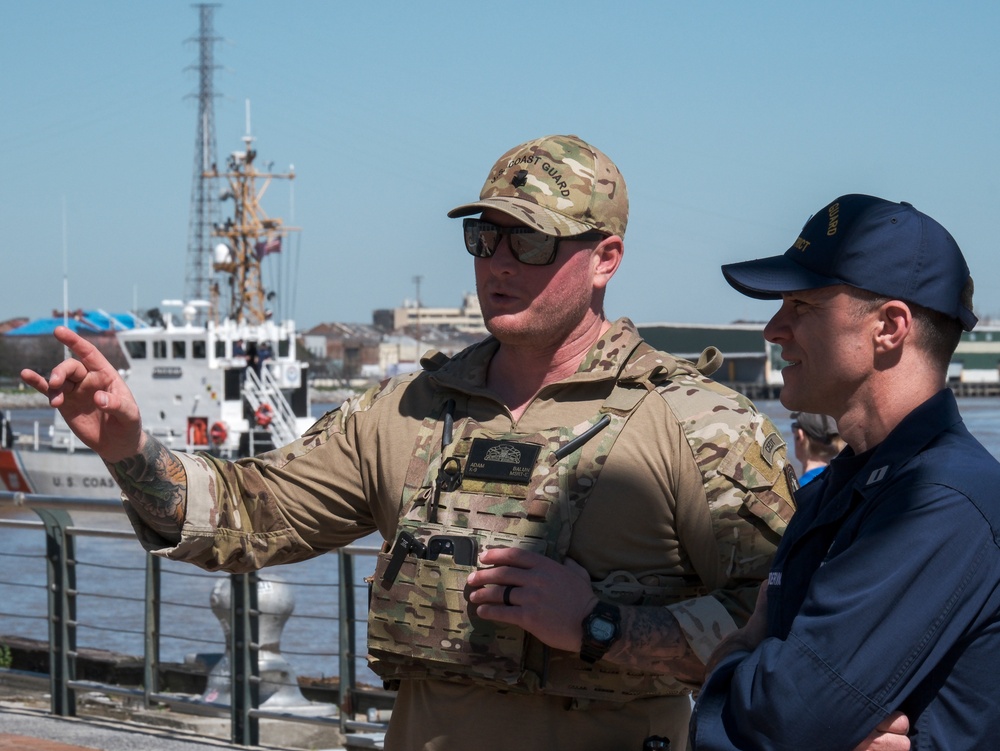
(528, 245)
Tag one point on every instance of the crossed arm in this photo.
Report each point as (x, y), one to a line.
(888, 735)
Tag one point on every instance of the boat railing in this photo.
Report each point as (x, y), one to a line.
(263, 391)
(142, 588)
(32, 442)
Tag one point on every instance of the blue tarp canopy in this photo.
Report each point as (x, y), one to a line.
(82, 322)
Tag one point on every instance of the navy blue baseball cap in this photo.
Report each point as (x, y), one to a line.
(887, 248)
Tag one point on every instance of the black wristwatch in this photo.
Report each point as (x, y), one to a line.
(601, 629)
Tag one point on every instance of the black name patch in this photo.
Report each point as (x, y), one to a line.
(507, 461)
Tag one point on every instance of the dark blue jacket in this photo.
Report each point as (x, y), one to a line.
(884, 595)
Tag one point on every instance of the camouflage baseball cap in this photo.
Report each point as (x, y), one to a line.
(560, 185)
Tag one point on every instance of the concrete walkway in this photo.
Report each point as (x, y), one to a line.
(35, 730)
(32, 730)
(27, 724)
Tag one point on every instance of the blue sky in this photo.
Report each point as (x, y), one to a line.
(731, 121)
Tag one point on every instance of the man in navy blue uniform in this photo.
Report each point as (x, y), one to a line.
(881, 609)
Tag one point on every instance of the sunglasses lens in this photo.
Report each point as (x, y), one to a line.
(479, 241)
(528, 246)
(533, 248)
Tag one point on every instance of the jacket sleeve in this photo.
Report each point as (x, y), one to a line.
(743, 484)
(878, 619)
(324, 490)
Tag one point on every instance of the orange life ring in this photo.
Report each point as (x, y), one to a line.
(218, 433)
(198, 431)
(264, 415)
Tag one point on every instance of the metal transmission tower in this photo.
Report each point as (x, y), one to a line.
(204, 199)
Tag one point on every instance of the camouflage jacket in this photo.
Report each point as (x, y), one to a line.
(700, 503)
(478, 489)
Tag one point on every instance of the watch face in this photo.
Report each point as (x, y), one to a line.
(602, 629)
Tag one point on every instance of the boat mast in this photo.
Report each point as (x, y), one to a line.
(248, 236)
(204, 206)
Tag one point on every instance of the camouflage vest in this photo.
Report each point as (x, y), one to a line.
(474, 490)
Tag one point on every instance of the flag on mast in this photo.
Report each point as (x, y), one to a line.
(268, 246)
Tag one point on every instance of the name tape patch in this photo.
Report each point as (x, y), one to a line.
(507, 461)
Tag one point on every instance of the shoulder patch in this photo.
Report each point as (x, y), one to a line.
(772, 442)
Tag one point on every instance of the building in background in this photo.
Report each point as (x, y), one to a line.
(752, 365)
(12, 323)
(353, 353)
(356, 353)
(343, 351)
(467, 318)
(977, 358)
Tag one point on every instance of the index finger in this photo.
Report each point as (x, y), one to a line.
(516, 557)
(79, 346)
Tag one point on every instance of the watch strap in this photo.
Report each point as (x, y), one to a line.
(593, 649)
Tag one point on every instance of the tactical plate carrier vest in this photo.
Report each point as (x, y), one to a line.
(473, 490)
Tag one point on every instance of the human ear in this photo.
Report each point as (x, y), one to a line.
(607, 258)
(895, 323)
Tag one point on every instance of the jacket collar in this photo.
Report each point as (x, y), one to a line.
(906, 440)
(467, 370)
(852, 478)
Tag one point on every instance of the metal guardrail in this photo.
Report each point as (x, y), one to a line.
(264, 390)
(244, 708)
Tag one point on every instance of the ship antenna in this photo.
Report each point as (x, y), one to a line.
(65, 273)
(248, 139)
(204, 211)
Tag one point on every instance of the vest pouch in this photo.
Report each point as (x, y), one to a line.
(423, 625)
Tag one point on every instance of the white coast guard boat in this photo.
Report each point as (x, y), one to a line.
(216, 375)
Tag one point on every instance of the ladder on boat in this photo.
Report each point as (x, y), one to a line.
(262, 391)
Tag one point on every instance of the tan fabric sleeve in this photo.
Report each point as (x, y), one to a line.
(333, 485)
(705, 622)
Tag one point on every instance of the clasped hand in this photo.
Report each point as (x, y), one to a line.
(547, 599)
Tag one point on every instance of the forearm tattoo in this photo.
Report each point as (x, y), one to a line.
(155, 485)
(652, 641)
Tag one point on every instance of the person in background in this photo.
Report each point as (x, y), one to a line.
(882, 608)
(815, 441)
(264, 353)
(252, 358)
(572, 519)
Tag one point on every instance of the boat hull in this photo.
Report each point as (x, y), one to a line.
(80, 473)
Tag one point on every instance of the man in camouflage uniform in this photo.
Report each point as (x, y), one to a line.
(573, 520)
